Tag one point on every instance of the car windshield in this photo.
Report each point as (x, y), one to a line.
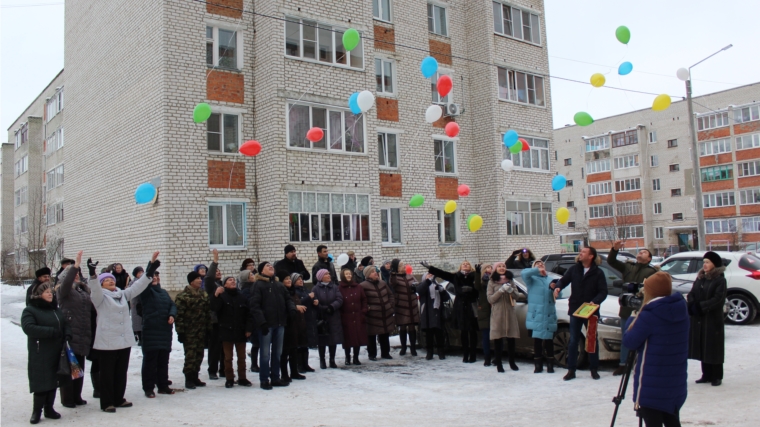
(676, 266)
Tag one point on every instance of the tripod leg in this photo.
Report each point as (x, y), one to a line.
(623, 386)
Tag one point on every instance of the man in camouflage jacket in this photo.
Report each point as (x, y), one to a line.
(193, 323)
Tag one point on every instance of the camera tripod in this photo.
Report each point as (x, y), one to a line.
(617, 400)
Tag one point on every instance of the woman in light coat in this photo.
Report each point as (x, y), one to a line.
(542, 315)
(501, 295)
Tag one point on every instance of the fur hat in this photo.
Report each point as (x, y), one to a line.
(714, 258)
(368, 270)
(321, 273)
(40, 289)
(659, 284)
(44, 271)
(104, 276)
(365, 261)
(289, 249)
(191, 276)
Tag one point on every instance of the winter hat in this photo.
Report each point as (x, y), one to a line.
(261, 266)
(321, 273)
(659, 284)
(289, 249)
(104, 276)
(394, 265)
(198, 267)
(137, 270)
(498, 263)
(365, 261)
(536, 261)
(40, 289)
(294, 278)
(281, 275)
(368, 270)
(227, 278)
(244, 276)
(192, 276)
(44, 271)
(714, 258)
(67, 261)
(386, 262)
(246, 262)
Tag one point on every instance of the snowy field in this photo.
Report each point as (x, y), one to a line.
(404, 391)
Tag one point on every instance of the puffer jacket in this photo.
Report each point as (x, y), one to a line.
(407, 309)
(271, 305)
(114, 327)
(310, 317)
(157, 307)
(380, 305)
(76, 306)
(45, 328)
(542, 313)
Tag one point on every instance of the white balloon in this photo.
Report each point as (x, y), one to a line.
(507, 165)
(342, 260)
(683, 74)
(365, 100)
(433, 113)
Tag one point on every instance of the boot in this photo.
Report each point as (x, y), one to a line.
(539, 362)
(95, 378)
(78, 383)
(356, 358)
(569, 375)
(594, 374)
(197, 381)
(402, 337)
(67, 400)
(332, 359)
(487, 361)
(511, 349)
(39, 402)
(620, 370)
(305, 355)
(348, 357)
(189, 381)
(429, 355)
(254, 359)
(48, 410)
(322, 362)
(441, 354)
(413, 343)
(466, 355)
(284, 368)
(293, 362)
(550, 365)
(499, 366)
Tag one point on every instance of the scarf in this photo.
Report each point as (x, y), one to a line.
(435, 294)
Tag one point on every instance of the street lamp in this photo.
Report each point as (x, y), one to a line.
(695, 156)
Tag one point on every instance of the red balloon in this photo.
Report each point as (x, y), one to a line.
(444, 85)
(315, 134)
(463, 190)
(409, 269)
(250, 148)
(452, 129)
(525, 146)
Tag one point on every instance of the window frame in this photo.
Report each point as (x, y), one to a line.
(546, 228)
(598, 188)
(755, 224)
(754, 141)
(531, 13)
(659, 233)
(674, 167)
(710, 225)
(530, 153)
(656, 184)
(652, 137)
(716, 173)
(513, 94)
(444, 140)
(628, 208)
(673, 216)
(382, 149)
(435, 5)
(22, 165)
(625, 138)
(719, 200)
(569, 161)
(359, 51)
(435, 97)
(225, 245)
(441, 217)
(601, 211)
(722, 145)
(752, 164)
(711, 121)
(239, 46)
(379, 8)
(673, 143)
(222, 112)
(327, 132)
(679, 194)
(657, 208)
(316, 217)
(601, 162)
(597, 143)
(654, 161)
(627, 161)
(388, 212)
(630, 183)
(745, 193)
(394, 84)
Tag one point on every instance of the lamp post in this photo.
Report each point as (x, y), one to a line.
(695, 156)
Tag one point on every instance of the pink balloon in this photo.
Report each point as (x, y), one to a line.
(452, 129)
(444, 85)
(463, 190)
(250, 148)
(315, 134)
(409, 269)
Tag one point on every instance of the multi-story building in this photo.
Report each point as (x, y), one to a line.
(631, 175)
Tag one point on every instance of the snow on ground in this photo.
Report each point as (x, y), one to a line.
(403, 391)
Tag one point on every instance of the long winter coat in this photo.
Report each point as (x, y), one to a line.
(484, 307)
(589, 287)
(193, 313)
(45, 328)
(705, 302)
(464, 316)
(233, 315)
(632, 273)
(329, 295)
(114, 329)
(310, 317)
(290, 337)
(407, 310)
(133, 311)
(542, 313)
(503, 315)
(380, 304)
(157, 307)
(298, 321)
(246, 290)
(430, 317)
(270, 303)
(76, 306)
(353, 314)
(660, 336)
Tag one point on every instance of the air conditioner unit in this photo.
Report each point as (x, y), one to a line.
(452, 110)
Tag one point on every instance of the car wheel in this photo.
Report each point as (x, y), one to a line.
(741, 310)
(562, 346)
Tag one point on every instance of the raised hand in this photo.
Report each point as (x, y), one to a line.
(91, 267)
(78, 259)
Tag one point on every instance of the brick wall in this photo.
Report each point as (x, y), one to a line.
(716, 160)
(390, 185)
(223, 174)
(387, 109)
(446, 188)
(225, 86)
(597, 177)
(384, 35)
(598, 200)
(748, 127)
(720, 212)
(752, 153)
(745, 210)
(628, 195)
(748, 181)
(441, 51)
(225, 8)
(706, 135)
(718, 185)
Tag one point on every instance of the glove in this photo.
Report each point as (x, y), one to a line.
(152, 267)
(330, 309)
(466, 288)
(517, 252)
(425, 264)
(507, 288)
(91, 266)
(181, 338)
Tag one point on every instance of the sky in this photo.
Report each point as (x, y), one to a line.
(665, 35)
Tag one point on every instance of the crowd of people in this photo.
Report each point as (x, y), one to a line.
(268, 305)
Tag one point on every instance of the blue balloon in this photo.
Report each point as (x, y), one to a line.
(145, 193)
(429, 67)
(330, 257)
(558, 182)
(625, 68)
(353, 103)
(510, 138)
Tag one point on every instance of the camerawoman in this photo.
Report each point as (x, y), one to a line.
(659, 334)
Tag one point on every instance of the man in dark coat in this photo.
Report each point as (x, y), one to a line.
(211, 283)
(65, 262)
(234, 325)
(158, 313)
(291, 264)
(588, 285)
(432, 297)
(323, 262)
(41, 276)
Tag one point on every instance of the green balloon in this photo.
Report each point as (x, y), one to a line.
(201, 113)
(416, 201)
(623, 34)
(351, 39)
(516, 147)
(583, 118)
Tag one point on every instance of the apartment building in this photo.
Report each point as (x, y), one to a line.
(631, 176)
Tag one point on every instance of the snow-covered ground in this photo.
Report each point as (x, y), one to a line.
(403, 391)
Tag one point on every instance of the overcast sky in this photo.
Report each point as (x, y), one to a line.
(666, 35)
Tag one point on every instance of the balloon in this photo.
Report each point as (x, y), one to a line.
(365, 100)
(463, 190)
(516, 148)
(342, 260)
(524, 145)
(683, 74)
(201, 112)
(474, 222)
(450, 207)
(558, 182)
(433, 113)
(452, 129)
(583, 119)
(352, 104)
(416, 201)
(444, 85)
(250, 148)
(330, 257)
(315, 134)
(563, 215)
(145, 193)
(661, 103)
(429, 67)
(625, 68)
(623, 34)
(597, 80)
(510, 137)
(507, 165)
(409, 269)
(351, 39)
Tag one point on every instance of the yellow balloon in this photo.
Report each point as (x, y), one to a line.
(563, 215)
(450, 207)
(475, 223)
(597, 80)
(661, 103)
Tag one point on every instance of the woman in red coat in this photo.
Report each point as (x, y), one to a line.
(352, 315)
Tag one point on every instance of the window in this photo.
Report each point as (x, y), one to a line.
(625, 138)
(23, 225)
(328, 217)
(222, 133)
(50, 179)
(381, 9)
(22, 135)
(569, 183)
(720, 226)
(625, 162)
(715, 147)
(631, 232)
(712, 121)
(318, 42)
(226, 225)
(529, 218)
(54, 104)
(656, 184)
(435, 96)
(652, 136)
(719, 199)
(596, 166)
(445, 159)
(447, 227)
(672, 143)
(437, 20)
(658, 233)
(747, 141)
(384, 76)
(717, 173)
(55, 213)
(22, 256)
(568, 162)
(21, 196)
(570, 204)
(677, 217)
(22, 165)
(388, 150)
(675, 167)
(630, 184)
(657, 208)
(654, 161)
(343, 130)
(751, 224)
(513, 22)
(59, 175)
(749, 168)
(749, 197)
(222, 49)
(537, 158)
(571, 224)
(520, 87)
(598, 143)
(390, 222)
(54, 141)
(601, 211)
(628, 208)
(747, 114)
(675, 192)
(600, 188)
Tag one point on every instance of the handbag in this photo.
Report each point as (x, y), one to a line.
(68, 364)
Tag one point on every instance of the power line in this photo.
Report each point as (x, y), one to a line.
(8, 6)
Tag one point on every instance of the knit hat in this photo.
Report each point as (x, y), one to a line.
(198, 267)
(294, 278)
(281, 275)
(261, 266)
(365, 261)
(497, 263)
(137, 270)
(537, 261)
(192, 276)
(226, 279)
(40, 289)
(321, 273)
(368, 270)
(104, 276)
(394, 265)
(246, 262)
(44, 271)
(714, 258)
(244, 276)
(289, 249)
(659, 284)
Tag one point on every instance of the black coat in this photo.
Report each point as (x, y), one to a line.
(295, 332)
(705, 301)
(327, 265)
(464, 315)
(310, 317)
(246, 289)
(287, 266)
(155, 308)
(122, 279)
(329, 295)
(270, 303)
(210, 283)
(45, 328)
(76, 306)
(233, 315)
(430, 317)
(589, 287)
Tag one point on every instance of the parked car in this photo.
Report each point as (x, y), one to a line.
(742, 279)
(559, 263)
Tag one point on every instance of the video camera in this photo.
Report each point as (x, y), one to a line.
(630, 297)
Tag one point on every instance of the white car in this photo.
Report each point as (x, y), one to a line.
(742, 280)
